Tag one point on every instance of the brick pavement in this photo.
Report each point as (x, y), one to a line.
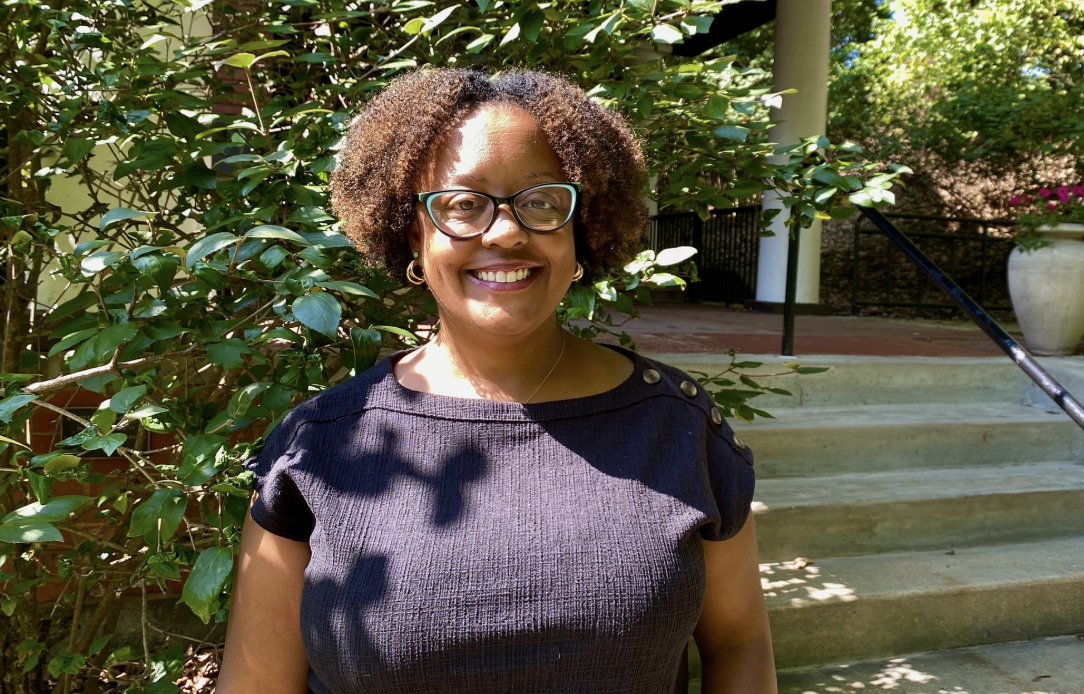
(703, 328)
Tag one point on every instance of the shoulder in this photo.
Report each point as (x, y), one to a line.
(687, 392)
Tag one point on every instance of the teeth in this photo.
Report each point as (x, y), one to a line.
(503, 276)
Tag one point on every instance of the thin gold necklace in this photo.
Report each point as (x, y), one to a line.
(528, 400)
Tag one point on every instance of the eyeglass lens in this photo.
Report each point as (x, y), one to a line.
(463, 213)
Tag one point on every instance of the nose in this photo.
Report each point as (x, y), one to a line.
(505, 232)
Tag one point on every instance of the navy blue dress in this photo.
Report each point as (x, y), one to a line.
(476, 546)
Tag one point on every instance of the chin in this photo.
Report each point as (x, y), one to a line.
(502, 321)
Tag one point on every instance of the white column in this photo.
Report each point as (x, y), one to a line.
(802, 35)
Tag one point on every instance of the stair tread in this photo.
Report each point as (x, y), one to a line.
(937, 414)
(846, 579)
(1055, 663)
(917, 484)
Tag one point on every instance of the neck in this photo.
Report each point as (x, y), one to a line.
(505, 368)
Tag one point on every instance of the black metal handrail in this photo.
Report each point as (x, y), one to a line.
(1021, 356)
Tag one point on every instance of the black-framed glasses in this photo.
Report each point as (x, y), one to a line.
(464, 214)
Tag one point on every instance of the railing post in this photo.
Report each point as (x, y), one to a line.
(854, 266)
(792, 289)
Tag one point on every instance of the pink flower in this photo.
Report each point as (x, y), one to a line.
(1027, 199)
(1063, 193)
(1078, 191)
(1044, 192)
(1051, 205)
(1014, 201)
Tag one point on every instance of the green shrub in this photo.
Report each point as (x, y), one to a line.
(166, 247)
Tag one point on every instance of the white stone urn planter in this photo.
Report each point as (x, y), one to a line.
(1047, 290)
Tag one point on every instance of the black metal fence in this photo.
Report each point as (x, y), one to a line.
(974, 252)
(727, 245)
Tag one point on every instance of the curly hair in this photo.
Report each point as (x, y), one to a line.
(374, 186)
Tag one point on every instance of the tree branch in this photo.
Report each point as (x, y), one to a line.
(66, 380)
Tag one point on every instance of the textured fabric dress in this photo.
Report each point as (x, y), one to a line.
(484, 547)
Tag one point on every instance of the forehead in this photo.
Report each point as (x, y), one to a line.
(497, 144)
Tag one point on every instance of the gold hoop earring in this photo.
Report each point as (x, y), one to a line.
(578, 274)
(412, 274)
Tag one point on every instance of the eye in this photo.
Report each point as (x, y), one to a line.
(537, 201)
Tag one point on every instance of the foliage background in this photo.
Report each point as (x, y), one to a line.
(981, 98)
(168, 262)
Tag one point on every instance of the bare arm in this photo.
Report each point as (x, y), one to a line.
(263, 652)
(733, 635)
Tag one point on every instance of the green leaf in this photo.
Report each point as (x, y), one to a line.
(124, 399)
(195, 471)
(408, 337)
(62, 462)
(732, 132)
(108, 443)
(606, 291)
(77, 147)
(348, 288)
(366, 344)
(205, 583)
(73, 339)
(145, 411)
(66, 664)
(319, 311)
(310, 215)
(243, 398)
(159, 267)
(479, 44)
(99, 644)
(30, 532)
(96, 262)
(673, 256)
(57, 509)
(208, 246)
(271, 231)
(118, 214)
(69, 307)
(167, 505)
(227, 353)
(531, 24)
(9, 406)
(8, 605)
(831, 178)
(662, 279)
(717, 107)
(696, 25)
(437, 19)
(511, 35)
(241, 60)
(666, 33)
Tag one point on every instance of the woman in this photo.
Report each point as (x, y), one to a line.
(507, 508)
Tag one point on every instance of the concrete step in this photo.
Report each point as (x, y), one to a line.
(857, 608)
(818, 441)
(1042, 666)
(874, 380)
(843, 515)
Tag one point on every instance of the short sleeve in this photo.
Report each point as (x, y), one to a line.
(732, 481)
(280, 506)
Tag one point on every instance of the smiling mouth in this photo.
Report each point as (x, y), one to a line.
(504, 276)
